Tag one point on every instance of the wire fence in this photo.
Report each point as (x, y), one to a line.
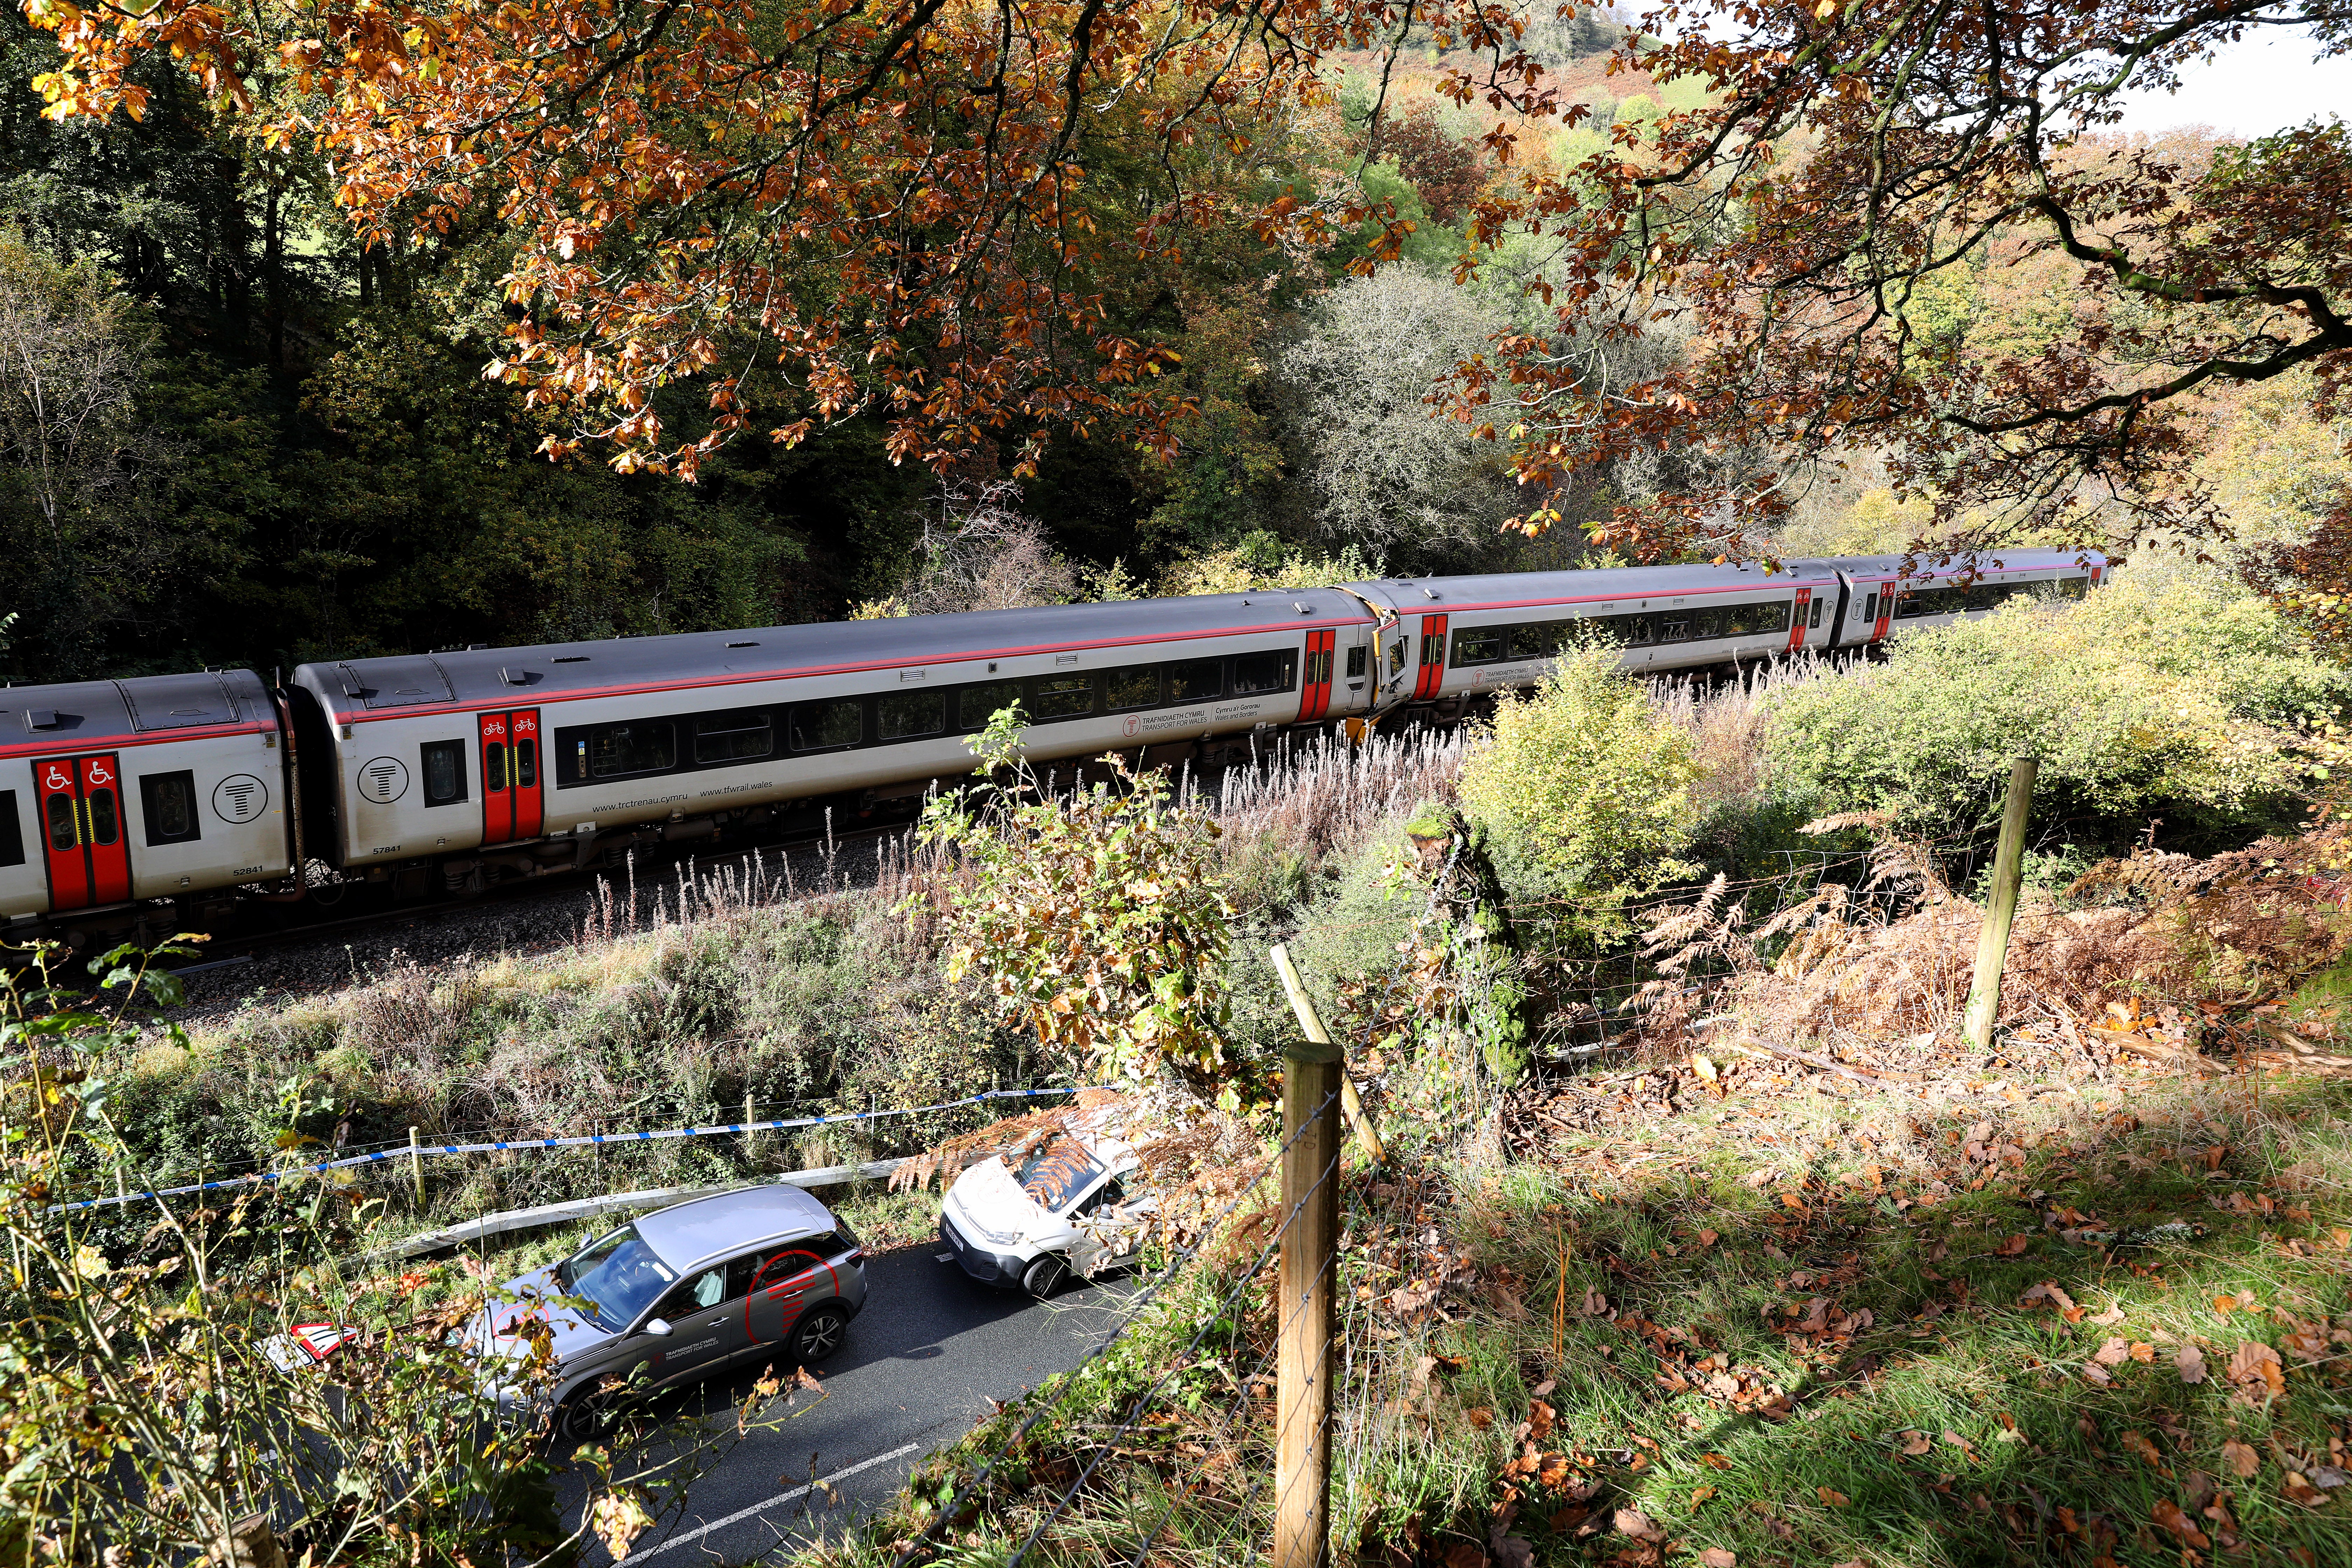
(405, 1152)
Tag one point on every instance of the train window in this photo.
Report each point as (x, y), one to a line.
(168, 801)
(1674, 628)
(105, 825)
(1062, 696)
(494, 767)
(975, 705)
(1196, 682)
(828, 726)
(1477, 645)
(1753, 620)
(1357, 659)
(1319, 667)
(738, 735)
(640, 746)
(1870, 608)
(526, 763)
(1818, 603)
(1707, 626)
(1539, 641)
(1136, 686)
(909, 715)
(1256, 672)
(2072, 587)
(1396, 656)
(12, 832)
(1637, 631)
(445, 772)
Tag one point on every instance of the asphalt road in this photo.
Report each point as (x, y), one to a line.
(922, 1363)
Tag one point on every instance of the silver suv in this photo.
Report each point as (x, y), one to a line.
(687, 1293)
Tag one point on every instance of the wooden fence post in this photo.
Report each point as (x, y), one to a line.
(1303, 1306)
(1310, 1022)
(2000, 906)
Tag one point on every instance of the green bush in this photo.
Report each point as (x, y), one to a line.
(2180, 696)
(1585, 792)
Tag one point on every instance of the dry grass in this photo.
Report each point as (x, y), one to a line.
(2196, 944)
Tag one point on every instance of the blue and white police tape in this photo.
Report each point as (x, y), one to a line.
(383, 1156)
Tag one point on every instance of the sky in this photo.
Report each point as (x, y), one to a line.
(2252, 87)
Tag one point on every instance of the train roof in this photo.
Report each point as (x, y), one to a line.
(1983, 561)
(79, 716)
(477, 676)
(1511, 590)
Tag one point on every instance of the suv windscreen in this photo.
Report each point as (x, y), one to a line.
(618, 1277)
(1058, 1172)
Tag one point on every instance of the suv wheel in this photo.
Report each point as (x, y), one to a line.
(586, 1416)
(819, 1334)
(1045, 1276)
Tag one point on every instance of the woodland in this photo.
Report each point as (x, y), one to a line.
(290, 378)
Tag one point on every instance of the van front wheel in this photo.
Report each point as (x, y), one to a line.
(1046, 1276)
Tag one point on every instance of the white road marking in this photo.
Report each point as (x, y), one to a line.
(760, 1508)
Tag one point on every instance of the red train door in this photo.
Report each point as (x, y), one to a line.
(1433, 658)
(510, 799)
(1797, 631)
(1885, 610)
(80, 803)
(1315, 698)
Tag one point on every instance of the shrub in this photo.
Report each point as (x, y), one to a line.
(2178, 695)
(1587, 793)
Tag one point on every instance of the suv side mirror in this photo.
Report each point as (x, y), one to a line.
(658, 1327)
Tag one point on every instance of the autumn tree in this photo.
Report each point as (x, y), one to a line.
(1854, 169)
(1444, 169)
(812, 209)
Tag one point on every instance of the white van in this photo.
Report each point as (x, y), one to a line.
(1065, 1209)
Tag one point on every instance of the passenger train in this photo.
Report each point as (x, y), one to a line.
(162, 803)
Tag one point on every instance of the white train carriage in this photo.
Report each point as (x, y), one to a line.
(1457, 639)
(162, 786)
(1881, 599)
(498, 762)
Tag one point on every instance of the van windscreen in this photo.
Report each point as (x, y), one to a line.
(1057, 1174)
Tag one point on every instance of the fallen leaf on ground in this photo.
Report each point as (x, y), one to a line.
(1632, 1522)
(1834, 1499)
(2256, 1371)
(2243, 1457)
(2138, 1444)
(2014, 1246)
(1916, 1443)
(2114, 1352)
(2168, 1513)
(2191, 1362)
(1716, 1557)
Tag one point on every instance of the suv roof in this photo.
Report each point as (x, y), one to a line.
(725, 1223)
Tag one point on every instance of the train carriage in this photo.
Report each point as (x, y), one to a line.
(518, 760)
(161, 786)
